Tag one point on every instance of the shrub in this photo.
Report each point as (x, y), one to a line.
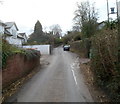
(82, 47)
(104, 62)
(9, 50)
(77, 37)
(58, 41)
(72, 36)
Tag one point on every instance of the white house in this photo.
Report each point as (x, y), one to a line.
(9, 31)
(2, 27)
(11, 34)
(101, 25)
(23, 37)
(12, 28)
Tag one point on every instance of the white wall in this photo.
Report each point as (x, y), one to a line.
(25, 37)
(44, 49)
(14, 41)
(1, 29)
(101, 26)
(13, 31)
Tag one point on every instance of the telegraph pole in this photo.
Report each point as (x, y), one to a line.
(117, 7)
(108, 11)
(118, 25)
(118, 28)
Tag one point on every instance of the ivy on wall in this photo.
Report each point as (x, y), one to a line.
(9, 50)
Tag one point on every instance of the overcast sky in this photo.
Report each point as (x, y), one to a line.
(25, 13)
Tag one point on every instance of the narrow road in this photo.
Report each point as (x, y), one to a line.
(59, 81)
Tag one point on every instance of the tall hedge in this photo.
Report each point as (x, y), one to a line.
(82, 47)
(104, 62)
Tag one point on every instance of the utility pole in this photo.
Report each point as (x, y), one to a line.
(118, 28)
(117, 7)
(108, 11)
(118, 25)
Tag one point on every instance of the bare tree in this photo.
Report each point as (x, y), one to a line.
(86, 18)
(76, 28)
(56, 29)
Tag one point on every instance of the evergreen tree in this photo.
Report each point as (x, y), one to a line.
(38, 36)
(38, 29)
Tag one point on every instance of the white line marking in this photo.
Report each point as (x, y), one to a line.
(74, 77)
(72, 66)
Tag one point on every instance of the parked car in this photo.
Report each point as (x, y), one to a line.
(66, 47)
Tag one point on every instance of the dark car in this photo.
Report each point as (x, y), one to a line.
(66, 47)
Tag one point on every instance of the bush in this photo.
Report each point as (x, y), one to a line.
(9, 50)
(58, 41)
(82, 47)
(104, 62)
(72, 36)
(77, 37)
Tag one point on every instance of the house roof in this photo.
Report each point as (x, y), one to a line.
(10, 24)
(23, 35)
(101, 23)
(20, 36)
(2, 23)
(7, 32)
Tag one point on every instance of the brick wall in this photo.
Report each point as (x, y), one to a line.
(17, 67)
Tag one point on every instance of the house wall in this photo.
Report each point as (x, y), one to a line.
(25, 39)
(13, 31)
(1, 29)
(101, 26)
(14, 40)
(44, 49)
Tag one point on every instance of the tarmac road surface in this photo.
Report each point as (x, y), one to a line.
(59, 80)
